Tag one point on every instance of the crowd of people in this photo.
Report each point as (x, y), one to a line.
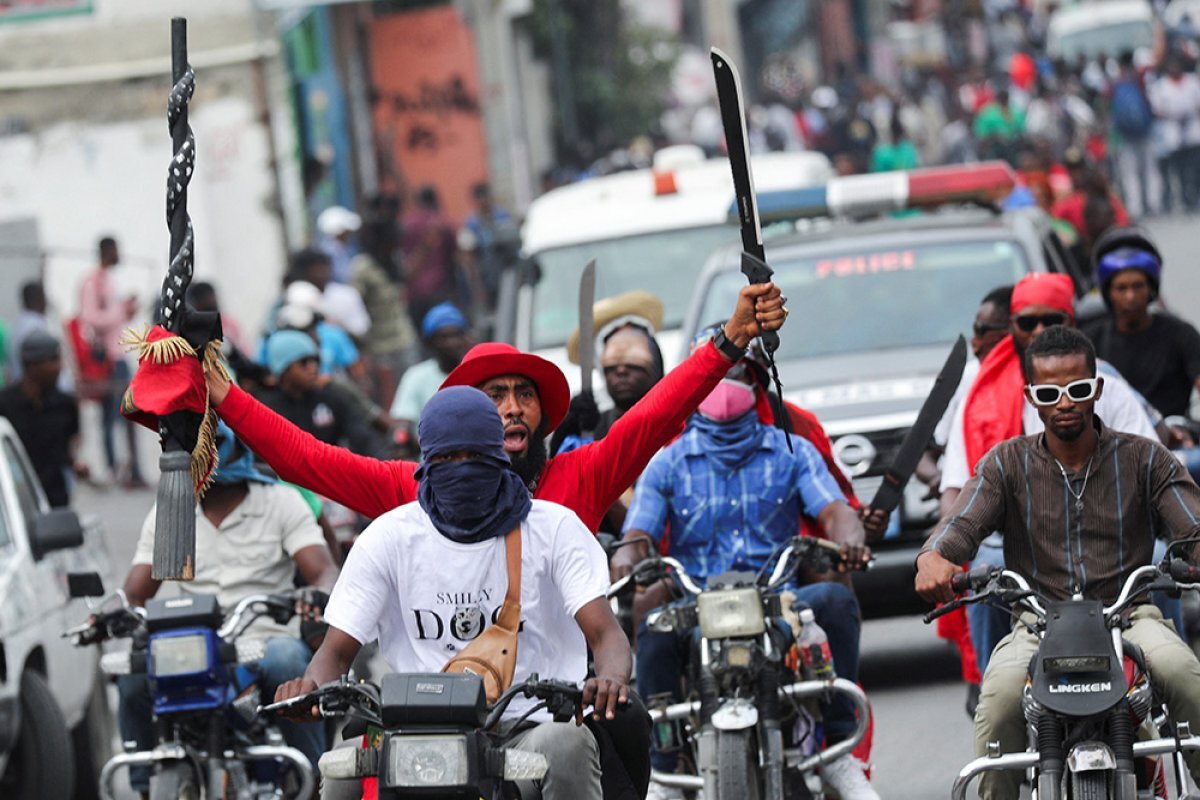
(369, 392)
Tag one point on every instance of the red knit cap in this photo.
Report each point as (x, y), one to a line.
(1044, 289)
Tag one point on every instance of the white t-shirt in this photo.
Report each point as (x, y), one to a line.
(426, 597)
(1119, 407)
(251, 553)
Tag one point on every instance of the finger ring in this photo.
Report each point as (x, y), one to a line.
(783, 299)
(785, 311)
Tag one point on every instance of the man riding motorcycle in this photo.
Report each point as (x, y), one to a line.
(428, 578)
(1109, 494)
(731, 492)
(252, 534)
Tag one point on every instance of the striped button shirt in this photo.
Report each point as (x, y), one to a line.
(1135, 491)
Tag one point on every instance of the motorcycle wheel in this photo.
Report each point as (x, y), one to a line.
(1089, 786)
(736, 762)
(174, 781)
(36, 764)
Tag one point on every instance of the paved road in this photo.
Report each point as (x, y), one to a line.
(922, 733)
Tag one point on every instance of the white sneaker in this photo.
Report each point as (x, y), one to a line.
(659, 792)
(848, 778)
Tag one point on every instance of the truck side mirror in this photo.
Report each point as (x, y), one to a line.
(85, 584)
(58, 529)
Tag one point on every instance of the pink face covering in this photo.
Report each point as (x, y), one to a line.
(730, 400)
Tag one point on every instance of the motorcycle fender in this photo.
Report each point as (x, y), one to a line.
(1090, 757)
(735, 714)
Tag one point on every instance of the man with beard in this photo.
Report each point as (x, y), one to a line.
(531, 396)
(1117, 492)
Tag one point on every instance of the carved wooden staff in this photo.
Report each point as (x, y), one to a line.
(175, 520)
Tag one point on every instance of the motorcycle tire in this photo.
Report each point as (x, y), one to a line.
(174, 781)
(35, 766)
(1089, 786)
(737, 773)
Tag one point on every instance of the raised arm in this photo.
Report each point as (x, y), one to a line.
(614, 463)
(366, 485)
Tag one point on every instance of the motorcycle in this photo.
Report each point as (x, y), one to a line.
(1088, 691)
(745, 691)
(434, 734)
(210, 741)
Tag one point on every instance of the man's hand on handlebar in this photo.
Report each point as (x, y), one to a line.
(853, 557)
(632, 551)
(604, 694)
(934, 574)
(296, 688)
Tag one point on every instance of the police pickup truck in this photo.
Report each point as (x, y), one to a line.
(878, 295)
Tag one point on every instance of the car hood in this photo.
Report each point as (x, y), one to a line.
(833, 387)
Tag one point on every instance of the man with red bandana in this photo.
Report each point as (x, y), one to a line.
(531, 396)
(996, 410)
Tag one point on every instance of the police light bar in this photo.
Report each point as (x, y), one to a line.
(884, 192)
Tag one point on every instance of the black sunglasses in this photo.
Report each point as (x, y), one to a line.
(982, 328)
(1028, 323)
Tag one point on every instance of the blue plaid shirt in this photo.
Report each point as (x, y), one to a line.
(722, 520)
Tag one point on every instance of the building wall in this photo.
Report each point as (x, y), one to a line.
(84, 146)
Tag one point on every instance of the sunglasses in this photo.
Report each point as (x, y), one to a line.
(982, 328)
(1048, 394)
(1029, 322)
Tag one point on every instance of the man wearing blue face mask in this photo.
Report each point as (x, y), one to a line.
(430, 577)
(732, 492)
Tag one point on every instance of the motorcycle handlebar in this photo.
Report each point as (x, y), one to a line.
(1183, 572)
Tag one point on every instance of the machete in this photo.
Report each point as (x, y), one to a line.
(587, 333)
(917, 439)
(754, 257)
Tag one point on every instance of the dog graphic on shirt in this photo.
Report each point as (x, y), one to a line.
(467, 622)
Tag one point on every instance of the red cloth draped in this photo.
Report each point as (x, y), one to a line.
(994, 402)
(159, 388)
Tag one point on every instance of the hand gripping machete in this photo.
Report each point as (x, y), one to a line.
(587, 332)
(917, 439)
(754, 258)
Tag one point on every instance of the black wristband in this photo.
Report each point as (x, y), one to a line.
(728, 348)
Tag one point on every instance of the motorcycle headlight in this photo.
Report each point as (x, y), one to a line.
(731, 612)
(414, 761)
(179, 655)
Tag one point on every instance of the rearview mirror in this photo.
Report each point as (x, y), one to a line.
(59, 529)
(85, 584)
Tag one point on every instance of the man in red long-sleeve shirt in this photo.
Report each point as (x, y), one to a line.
(531, 396)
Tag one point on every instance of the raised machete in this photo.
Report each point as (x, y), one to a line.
(587, 332)
(754, 257)
(917, 439)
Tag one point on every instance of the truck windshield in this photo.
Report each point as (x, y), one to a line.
(848, 300)
(667, 263)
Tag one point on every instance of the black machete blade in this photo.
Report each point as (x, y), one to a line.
(733, 118)
(905, 463)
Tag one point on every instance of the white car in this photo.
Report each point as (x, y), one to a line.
(55, 721)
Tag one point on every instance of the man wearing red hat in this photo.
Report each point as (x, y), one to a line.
(531, 396)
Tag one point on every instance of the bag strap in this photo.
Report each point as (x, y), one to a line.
(509, 617)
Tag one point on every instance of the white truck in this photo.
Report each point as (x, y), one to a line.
(650, 229)
(55, 722)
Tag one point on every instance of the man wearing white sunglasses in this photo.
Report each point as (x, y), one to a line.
(1111, 492)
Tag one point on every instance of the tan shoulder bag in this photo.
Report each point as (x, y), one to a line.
(493, 654)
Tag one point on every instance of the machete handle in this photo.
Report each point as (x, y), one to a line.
(757, 271)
